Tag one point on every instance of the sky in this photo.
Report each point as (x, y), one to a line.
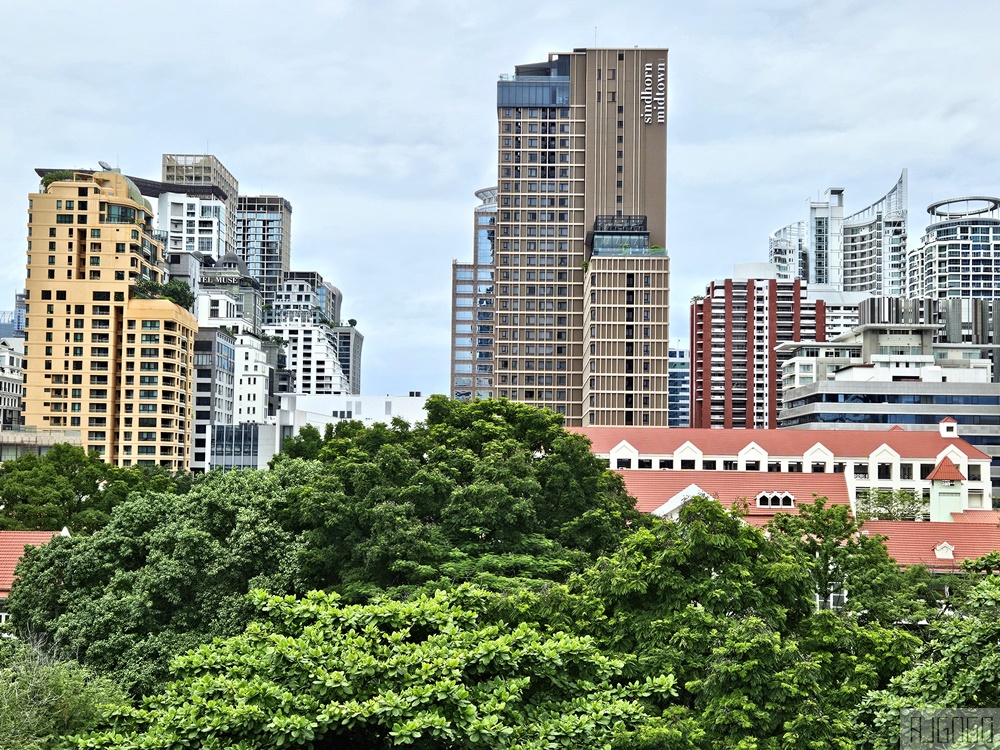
(377, 120)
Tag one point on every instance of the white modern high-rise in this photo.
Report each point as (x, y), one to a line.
(959, 254)
(473, 295)
(201, 216)
(194, 223)
(788, 251)
(313, 347)
(859, 252)
(679, 388)
(874, 244)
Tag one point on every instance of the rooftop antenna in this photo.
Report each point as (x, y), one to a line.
(104, 165)
(595, 36)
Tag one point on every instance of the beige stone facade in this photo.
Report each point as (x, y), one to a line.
(581, 214)
(99, 359)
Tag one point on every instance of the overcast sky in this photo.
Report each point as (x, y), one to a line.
(377, 120)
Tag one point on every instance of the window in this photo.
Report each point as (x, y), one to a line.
(775, 500)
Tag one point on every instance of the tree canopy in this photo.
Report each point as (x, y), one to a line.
(67, 487)
(43, 697)
(479, 580)
(424, 673)
(485, 489)
(168, 572)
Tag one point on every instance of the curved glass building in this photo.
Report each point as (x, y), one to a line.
(874, 246)
(861, 252)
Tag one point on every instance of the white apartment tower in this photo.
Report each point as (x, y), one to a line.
(864, 251)
(959, 254)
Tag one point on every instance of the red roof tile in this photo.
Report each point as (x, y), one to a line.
(843, 443)
(949, 419)
(653, 488)
(914, 543)
(946, 470)
(12, 544)
(977, 516)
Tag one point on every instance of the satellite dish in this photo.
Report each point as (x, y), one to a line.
(105, 165)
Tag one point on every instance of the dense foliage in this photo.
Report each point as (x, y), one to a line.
(176, 290)
(167, 573)
(67, 487)
(483, 491)
(43, 697)
(426, 672)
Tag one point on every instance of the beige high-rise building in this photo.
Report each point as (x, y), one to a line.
(582, 273)
(201, 171)
(98, 357)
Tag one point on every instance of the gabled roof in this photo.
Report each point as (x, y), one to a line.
(949, 419)
(653, 489)
(915, 543)
(664, 441)
(12, 544)
(946, 470)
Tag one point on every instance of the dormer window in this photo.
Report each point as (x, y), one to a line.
(944, 551)
(775, 500)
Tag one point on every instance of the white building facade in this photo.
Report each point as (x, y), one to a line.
(959, 254)
(864, 251)
(11, 381)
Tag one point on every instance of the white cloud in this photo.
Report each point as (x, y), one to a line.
(376, 120)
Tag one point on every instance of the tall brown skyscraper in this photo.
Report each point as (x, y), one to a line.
(581, 273)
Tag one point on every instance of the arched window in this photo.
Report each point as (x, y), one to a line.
(775, 500)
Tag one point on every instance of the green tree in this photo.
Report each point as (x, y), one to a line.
(57, 175)
(68, 487)
(168, 572)
(841, 557)
(426, 673)
(731, 613)
(175, 290)
(890, 505)
(43, 697)
(306, 444)
(958, 668)
(670, 590)
(487, 490)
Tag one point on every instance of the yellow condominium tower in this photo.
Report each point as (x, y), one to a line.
(99, 357)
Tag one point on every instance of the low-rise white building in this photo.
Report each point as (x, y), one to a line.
(11, 380)
(252, 446)
(882, 375)
(870, 460)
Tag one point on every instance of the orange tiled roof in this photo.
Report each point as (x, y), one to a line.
(914, 543)
(977, 516)
(946, 470)
(843, 443)
(12, 544)
(653, 488)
